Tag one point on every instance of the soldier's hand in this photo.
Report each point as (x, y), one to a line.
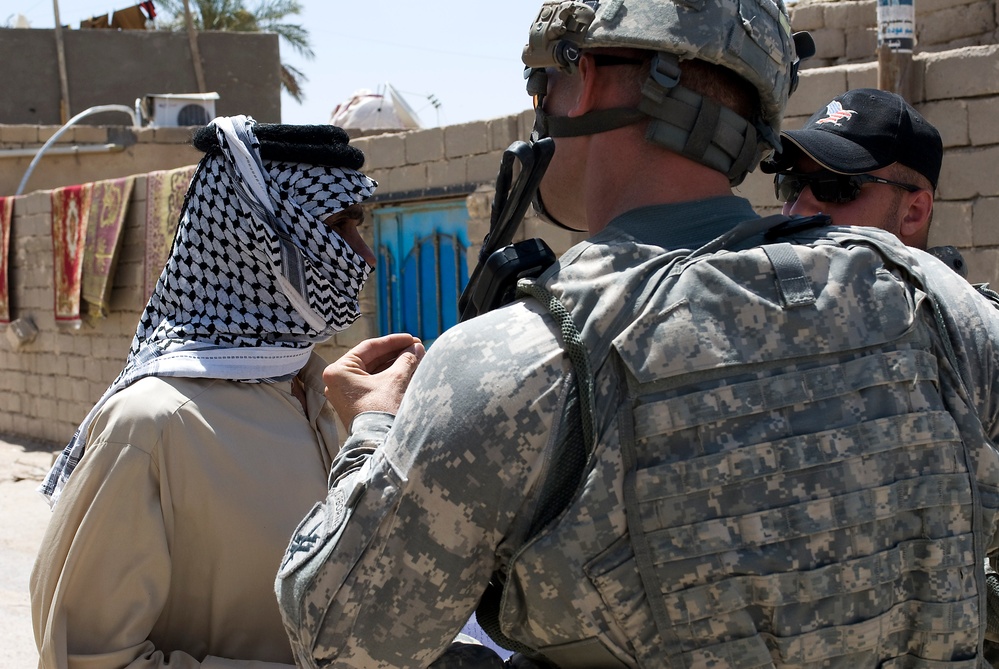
(372, 376)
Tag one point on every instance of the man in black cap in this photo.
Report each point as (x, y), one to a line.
(865, 157)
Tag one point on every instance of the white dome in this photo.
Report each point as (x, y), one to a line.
(367, 110)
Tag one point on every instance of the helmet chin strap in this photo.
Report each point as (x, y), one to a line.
(544, 214)
(680, 120)
(591, 123)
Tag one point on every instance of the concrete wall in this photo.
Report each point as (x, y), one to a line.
(48, 385)
(243, 68)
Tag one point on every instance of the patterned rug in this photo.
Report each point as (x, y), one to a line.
(70, 210)
(165, 191)
(108, 205)
(6, 215)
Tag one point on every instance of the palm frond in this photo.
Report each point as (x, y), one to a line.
(291, 81)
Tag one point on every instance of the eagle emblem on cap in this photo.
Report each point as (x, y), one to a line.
(835, 113)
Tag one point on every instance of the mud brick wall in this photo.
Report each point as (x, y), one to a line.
(48, 385)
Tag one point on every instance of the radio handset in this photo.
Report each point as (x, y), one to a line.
(501, 262)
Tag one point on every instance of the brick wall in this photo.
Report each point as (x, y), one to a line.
(135, 151)
(48, 385)
(845, 31)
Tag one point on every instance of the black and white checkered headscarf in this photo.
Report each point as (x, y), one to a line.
(254, 280)
(253, 262)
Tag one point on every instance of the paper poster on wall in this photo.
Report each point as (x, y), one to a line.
(897, 25)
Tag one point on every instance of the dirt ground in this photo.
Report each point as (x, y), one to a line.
(23, 515)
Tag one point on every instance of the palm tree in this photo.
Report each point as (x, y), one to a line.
(233, 16)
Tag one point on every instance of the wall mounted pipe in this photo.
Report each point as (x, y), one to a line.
(63, 150)
(58, 133)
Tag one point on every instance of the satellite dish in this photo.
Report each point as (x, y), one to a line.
(405, 113)
(367, 110)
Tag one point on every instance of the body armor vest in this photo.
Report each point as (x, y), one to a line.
(786, 471)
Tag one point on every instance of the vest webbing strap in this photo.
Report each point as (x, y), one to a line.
(794, 286)
(572, 343)
(934, 299)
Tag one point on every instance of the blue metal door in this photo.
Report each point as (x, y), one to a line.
(422, 267)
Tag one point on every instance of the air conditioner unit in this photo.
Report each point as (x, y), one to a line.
(170, 110)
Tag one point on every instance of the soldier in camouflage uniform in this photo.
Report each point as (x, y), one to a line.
(705, 441)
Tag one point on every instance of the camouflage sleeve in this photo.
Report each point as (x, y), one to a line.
(367, 431)
(972, 323)
(389, 567)
(974, 327)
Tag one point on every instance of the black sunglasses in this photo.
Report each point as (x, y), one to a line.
(828, 186)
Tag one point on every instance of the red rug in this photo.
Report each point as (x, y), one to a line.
(70, 210)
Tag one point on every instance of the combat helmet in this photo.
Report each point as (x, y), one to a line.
(752, 38)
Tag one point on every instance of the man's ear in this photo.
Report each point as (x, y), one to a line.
(590, 86)
(916, 217)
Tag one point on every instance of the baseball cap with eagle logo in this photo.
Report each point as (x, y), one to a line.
(860, 131)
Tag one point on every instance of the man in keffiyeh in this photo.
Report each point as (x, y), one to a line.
(174, 501)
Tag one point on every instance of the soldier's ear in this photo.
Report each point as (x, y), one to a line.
(916, 213)
(593, 87)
